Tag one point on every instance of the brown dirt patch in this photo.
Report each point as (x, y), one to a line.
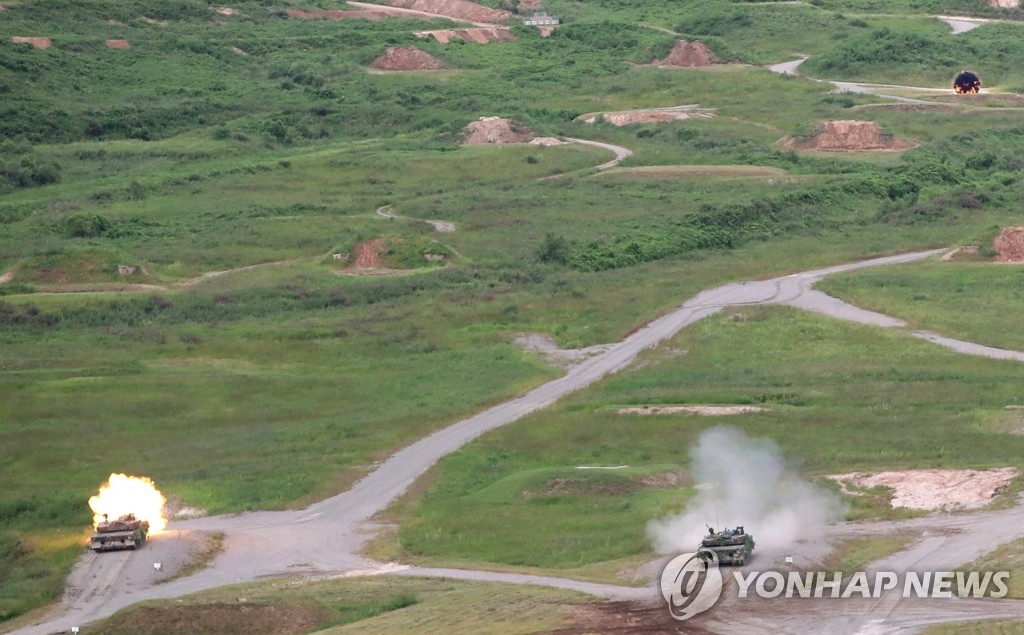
(226, 11)
(458, 9)
(495, 130)
(7, 277)
(649, 115)
(482, 35)
(153, 21)
(663, 480)
(36, 42)
(848, 136)
(688, 54)
(935, 489)
(225, 619)
(118, 44)
(704, 411)
(628, 618)
(406, 58)
(1009, 245)
(368, 254)
(325, 14)
(1004, 4)
(583, 486)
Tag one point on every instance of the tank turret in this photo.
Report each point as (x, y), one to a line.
(732, 546)
(127, 532)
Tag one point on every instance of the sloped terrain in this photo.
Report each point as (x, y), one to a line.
(407, 58)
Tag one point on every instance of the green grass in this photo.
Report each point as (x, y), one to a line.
(973, 301)
(362, 605)
(842, 398)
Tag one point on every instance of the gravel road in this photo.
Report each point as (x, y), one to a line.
(325, 538)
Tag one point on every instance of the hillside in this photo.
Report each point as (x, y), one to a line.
(251, 251)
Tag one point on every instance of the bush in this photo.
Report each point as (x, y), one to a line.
(86, 226)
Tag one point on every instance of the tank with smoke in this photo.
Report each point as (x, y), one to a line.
(743, 481)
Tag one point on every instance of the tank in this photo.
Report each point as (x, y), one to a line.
(732, 546)
(127, 532)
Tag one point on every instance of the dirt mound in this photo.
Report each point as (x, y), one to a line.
(118, 44)
(482, 35)
(848, 136)
(36, 42)
(495, 130)
(1009, 245)
(686, 53)
(326, 14)
(935, 489)
(1004, 4)
(368, 254)
(458, 9)
(406, 58)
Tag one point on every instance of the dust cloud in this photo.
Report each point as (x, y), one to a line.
(744, 481)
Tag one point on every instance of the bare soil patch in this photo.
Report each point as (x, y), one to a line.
(36, 42)
(406, 58)
(480, 35)
(7, 277)
(628, 618)
(688, 54)
(704, 411)
(935, 489)
(458, 9)
(226, 11)
(1009, 245)
(565, 357)
(649, 115)
(118, 44)
(545, 141)
(368, 254)
(964, 252)
(153, 21)
(848, 136)
(332, 14)
(495, 130)
(1004, 4)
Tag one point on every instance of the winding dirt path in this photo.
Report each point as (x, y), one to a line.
(325, 539)
(440, 226)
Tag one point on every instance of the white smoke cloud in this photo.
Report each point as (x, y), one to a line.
(744, 481)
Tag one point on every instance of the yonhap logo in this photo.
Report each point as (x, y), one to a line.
(691, 583)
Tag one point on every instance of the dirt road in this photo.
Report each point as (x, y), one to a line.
(325, 538)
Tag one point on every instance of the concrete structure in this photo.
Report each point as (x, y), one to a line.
(542, 19)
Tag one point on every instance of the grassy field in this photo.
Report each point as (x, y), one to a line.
(841, 398)
(257, 144)
(367, 605)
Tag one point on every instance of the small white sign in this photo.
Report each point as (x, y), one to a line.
(158, 566)
(789, 559)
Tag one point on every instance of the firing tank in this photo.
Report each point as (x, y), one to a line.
(732, 546)
(127, 532)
